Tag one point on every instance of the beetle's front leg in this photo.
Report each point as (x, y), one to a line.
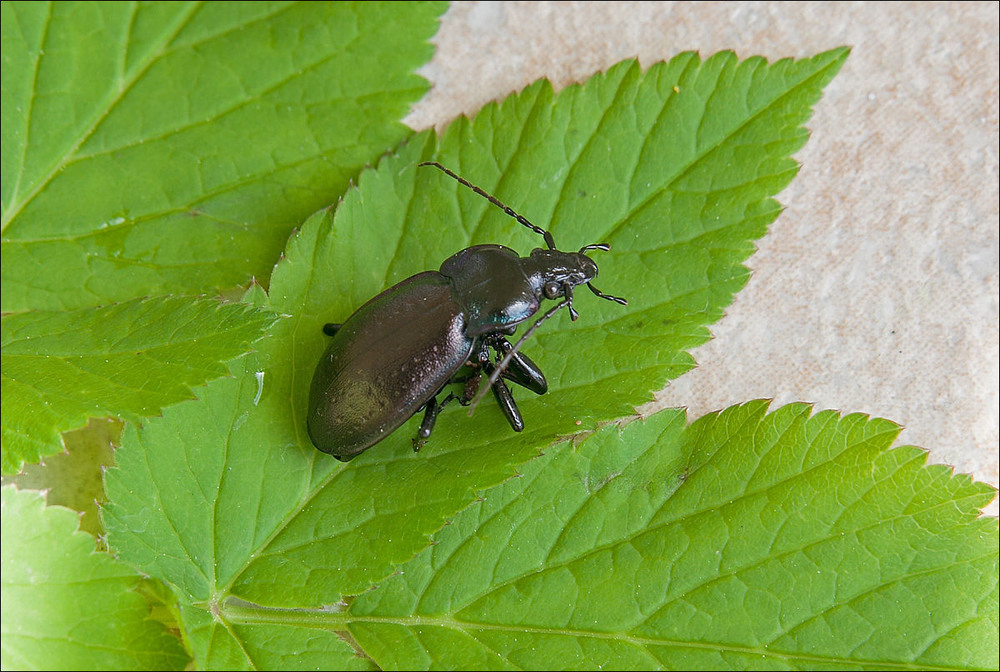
(521, 370)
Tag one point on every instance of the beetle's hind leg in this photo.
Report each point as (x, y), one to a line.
(431, 410)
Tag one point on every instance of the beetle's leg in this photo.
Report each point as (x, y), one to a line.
(431, 410)
(500, 390)
(507, 405)
(520, 370)
(331, 329)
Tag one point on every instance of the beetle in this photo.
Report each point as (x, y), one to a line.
(399, 352)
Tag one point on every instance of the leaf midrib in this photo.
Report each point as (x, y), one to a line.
(339, 620)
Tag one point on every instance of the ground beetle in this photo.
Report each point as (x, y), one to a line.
(399, 351)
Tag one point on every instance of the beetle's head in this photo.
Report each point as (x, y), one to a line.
(555, 273)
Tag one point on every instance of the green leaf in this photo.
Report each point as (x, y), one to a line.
(66, 607)
(161, 148)
(225, 499)
(128, 360)
(745, 540)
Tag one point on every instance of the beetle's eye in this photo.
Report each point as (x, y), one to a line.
(552, 290)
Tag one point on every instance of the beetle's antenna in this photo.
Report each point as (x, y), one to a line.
(604, 247)
(495, 201)
(502, 366)
(617, 299)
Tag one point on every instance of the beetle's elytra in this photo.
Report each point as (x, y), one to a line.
(398, 352)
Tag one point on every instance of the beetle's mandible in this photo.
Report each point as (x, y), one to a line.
(398, 353)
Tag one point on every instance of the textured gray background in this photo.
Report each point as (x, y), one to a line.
(876, 290)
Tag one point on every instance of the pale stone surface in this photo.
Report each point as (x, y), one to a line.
(877, 289)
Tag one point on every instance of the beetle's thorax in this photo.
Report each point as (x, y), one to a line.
(554, 273)
(492, 288)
